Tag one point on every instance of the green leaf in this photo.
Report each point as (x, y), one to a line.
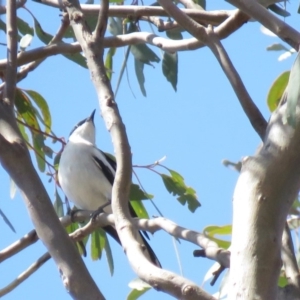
(135, 294)
(109, 62)
(282, 281)
(22, 129)
(140, 209)
(3, 26)
(43, 106)
(6, 220)
(172, 186)
(78, 58)
(277, 89)
(277, 47)
(139, 71)
(38, 144)
(56, 161)
(170, 68)
(136, 193)
(72, 227)
(115, 26)
(109, 256)
(174, 34)
(97, 244)
(293, 92)
(175, 185)
(202, 3)
(142, 52)
(91, 21)
(24, 28)
(48, 151)
(41, 34)
(58, 205)
(212, 231)
(69, 33)
(218, 230)
(139, 288)
(278, 10)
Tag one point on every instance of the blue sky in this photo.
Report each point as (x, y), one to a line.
(196, 128)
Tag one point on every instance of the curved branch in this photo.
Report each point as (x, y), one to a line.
(252, 8)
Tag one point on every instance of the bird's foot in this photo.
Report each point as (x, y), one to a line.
(99, 211)
(72, 213)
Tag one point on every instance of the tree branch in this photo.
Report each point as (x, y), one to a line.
(135, 12)
(252, 8)
(24, 275)
(268, 195)
(254, 115)
(12, 49)
(20, 3)
(15, 159)
(208, 37)
(101, 22)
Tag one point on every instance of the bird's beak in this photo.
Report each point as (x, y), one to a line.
(91, 117)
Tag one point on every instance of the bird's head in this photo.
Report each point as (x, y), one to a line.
(84, 130)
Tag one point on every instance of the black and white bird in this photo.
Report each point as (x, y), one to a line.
(86, 175)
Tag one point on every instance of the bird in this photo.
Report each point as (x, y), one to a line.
(86, 175)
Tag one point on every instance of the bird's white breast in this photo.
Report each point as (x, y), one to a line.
(81, 179)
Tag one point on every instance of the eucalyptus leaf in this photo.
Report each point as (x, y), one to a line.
(109, 256)
(24, 27)
(170, 68)
(58, 205)
(139, 71)
(109, 62)
(43, 106)
(6, 220)
(277, 47)
(277, 89)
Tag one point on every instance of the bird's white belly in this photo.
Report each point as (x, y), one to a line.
(87, 188)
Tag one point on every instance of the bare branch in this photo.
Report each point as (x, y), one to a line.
(135, 12)
(23, 276)
(287, 33)
(211, 40)
(19, 245)
(23, 72)
(12, 49)
(19, 4)
(254, 115)
(101, 22)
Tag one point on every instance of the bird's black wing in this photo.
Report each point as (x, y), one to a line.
(109, 229)
(110, 176)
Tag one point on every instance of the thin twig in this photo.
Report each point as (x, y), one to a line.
(23, 276)
(254, 115)
(12, 50)
(23, 72)
(101, 21)
(209, 38)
